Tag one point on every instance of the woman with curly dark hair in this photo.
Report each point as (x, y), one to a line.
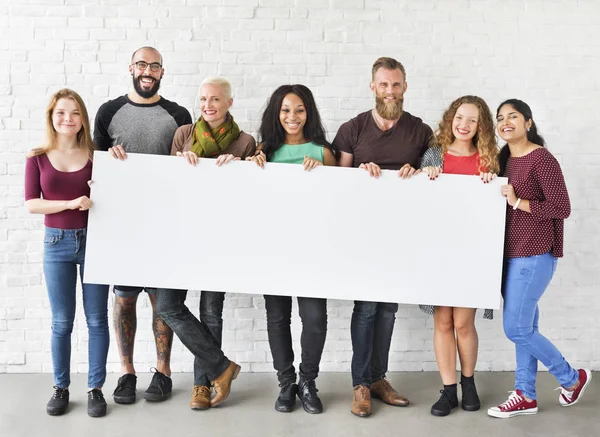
(464, 144)
(291, 132)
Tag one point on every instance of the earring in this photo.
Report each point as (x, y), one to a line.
(528, 129)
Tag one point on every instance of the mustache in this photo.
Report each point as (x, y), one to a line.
(394, 95)
(389, 110)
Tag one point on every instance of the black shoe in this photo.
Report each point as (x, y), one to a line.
(307, 392)
(445, 403)
(160, 387)
(59, 402)
(125, 391)
(470, 399)
(286, 401)
(96, 403)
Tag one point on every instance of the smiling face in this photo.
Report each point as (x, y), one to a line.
(146, 82)
(512, 126)
(465, 122)
(214, 104)
(389, 87)
(292, 115)
(66, 118)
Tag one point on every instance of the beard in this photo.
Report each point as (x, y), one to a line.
(389, 110)
(145, 94)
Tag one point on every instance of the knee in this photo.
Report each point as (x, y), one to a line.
(97, 322)
(125, 304)
(465, 328)
(211, 311)
(517, 334)
(315, 321)
(62, 327)
(168, 304)
(444, 325)
(278, 319)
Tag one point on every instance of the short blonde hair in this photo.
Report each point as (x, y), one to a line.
(217, 80)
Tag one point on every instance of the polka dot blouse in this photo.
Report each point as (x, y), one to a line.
(536, 177)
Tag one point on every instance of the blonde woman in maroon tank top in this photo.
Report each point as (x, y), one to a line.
(56, 185)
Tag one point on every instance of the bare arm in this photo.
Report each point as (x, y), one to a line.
(329, 158)
(43, 206)
(346, 159)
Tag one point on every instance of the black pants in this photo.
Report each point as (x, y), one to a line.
(202, 337)
(313, 313)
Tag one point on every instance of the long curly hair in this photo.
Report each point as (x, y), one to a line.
(84, 136)
(484, 140)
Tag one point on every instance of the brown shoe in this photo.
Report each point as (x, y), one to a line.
(383, 390)
(222, 384)
(200, 398)
(361, 402)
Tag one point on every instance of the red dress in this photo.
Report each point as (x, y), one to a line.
(467, 165)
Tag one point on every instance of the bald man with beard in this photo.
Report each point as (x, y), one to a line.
(141, 121)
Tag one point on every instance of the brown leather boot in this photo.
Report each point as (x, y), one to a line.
(383, 390)
(222, 384)
(361, 402)
(200, 398)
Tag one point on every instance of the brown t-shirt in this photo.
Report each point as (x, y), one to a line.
(404, 143)
(244, 146)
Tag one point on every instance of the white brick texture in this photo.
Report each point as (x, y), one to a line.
(546, 52)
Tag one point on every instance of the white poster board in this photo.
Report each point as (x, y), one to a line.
(332, 232)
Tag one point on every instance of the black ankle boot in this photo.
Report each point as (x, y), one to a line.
(447, 401)
(287, 397)
(307, 392)
(470, 399)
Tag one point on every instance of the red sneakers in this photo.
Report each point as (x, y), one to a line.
(568, 398)
(515, 405)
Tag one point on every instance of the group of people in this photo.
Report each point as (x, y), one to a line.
(58, 175)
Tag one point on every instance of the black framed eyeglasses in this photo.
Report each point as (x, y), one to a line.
(141, 65)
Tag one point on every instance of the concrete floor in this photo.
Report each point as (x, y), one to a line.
(249, 410)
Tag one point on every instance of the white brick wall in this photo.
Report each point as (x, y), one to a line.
(543, 51)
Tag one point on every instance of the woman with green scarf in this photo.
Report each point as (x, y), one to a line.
(214, 135)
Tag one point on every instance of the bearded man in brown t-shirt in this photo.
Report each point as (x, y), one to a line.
(385, 137)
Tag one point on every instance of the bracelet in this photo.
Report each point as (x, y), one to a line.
(517, 203)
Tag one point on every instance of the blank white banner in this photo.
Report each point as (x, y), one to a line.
(332, 232)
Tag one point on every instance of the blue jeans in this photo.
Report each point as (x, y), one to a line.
(63, 250)
(525, 281)
(198, 336)
(371, 329)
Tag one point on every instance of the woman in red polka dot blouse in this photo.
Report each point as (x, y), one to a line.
(538, 203)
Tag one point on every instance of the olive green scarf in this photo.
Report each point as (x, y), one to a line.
(208, 143)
